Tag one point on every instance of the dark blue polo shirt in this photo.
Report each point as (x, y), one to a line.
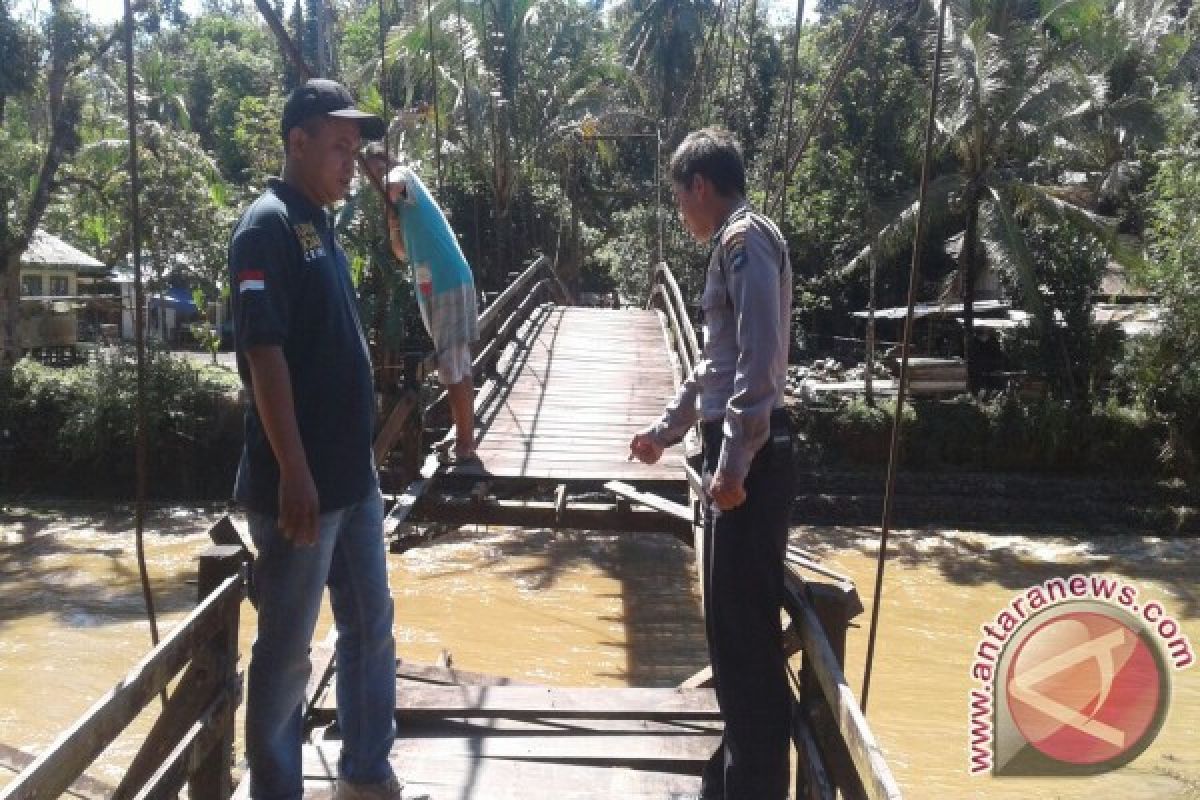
(290, 282)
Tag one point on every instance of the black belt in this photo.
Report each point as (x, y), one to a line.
(778, 440)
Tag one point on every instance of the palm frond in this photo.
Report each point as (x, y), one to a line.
(1050, 202)
(1004, 241)
(898, 233)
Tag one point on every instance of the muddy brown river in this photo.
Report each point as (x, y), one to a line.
(588, 609)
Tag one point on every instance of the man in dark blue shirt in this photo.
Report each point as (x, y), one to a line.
(306, 478)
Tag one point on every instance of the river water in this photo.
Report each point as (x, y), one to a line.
(598, 610)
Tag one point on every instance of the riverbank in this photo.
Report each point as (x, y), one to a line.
(1017, 503)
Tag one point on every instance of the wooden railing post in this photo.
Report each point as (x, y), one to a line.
(212, 777)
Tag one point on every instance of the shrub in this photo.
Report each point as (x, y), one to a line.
(72, 431)
(1005, 433)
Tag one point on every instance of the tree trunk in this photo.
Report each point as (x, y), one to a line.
(968, 270)
(10, 307)
(868, 375)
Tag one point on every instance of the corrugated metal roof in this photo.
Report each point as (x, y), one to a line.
(47, 250)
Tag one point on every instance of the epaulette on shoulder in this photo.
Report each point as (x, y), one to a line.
(733, 243)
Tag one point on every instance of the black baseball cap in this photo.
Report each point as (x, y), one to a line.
(321, 97)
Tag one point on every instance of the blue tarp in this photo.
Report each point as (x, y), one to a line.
(178, 299)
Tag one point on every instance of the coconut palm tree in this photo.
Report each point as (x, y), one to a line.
(662, 45)
(1011, 91)
(512, 77)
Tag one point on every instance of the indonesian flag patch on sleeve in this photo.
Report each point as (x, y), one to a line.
(250, 280)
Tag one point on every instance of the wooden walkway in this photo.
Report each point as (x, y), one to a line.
(465, 735)
(584, 381)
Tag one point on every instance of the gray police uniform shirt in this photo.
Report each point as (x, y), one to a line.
(741, 374)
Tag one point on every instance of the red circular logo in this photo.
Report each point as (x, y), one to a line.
(1086, 688)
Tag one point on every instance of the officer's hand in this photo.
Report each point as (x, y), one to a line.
(299, 507)
(645, 448)
(726, 492)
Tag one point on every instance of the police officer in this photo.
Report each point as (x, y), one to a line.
(736, 391)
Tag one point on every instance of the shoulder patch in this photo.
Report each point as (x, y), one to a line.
(734, 249)
(251, 280)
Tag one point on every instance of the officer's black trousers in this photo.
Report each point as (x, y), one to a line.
(743, 595)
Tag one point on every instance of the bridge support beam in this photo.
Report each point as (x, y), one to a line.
(542, 514)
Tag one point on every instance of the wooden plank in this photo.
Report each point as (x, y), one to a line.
(495, 726)
(206, 680)
(812, 780)
(449, 676)
(72, 752)
(322, 657)
(506, 430)
(650, 500)
(541, 701)
(224, 532)
(541, 514)
(531, 417)
(550, 471)
(560, 502)
(85, 786)
(593, 448)
(864, 749)
(466, 778)
(491, 315)
(700, 680)
(801, 560)
(206, 735)
(577, 748)
(173, 726)
(390, 432)
(412, 495)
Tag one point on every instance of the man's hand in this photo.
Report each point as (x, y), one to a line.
(395, 234)
(299, 507)
(645, 448)
(726, 492)
(397, 186)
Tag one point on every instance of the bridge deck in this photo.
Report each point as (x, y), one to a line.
(587, 380)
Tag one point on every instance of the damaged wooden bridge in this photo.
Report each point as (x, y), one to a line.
(561, 391)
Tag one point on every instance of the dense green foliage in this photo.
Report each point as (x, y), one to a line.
(1003, 434)
(76, 430)
(1065, 147)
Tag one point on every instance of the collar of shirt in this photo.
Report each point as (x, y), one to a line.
(715, 240)
(291, 196)
(738, 210)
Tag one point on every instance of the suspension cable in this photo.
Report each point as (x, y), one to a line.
(139, 336)
(748, 64)
(384, 84)
(835, 80)
(701, 72)
(737, 23)
(901, 391)
(433, 74)
(786, 117)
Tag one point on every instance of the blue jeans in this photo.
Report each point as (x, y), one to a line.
(289, 581)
